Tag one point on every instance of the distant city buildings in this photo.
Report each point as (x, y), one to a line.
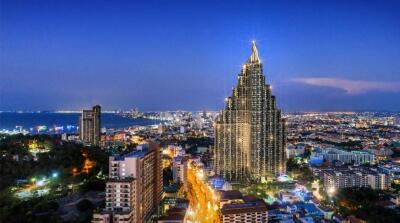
(134, 188)
(250, 134)
(90, 125)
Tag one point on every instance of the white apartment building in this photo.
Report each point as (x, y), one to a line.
(120, 202)
(179, 169)
(337, 179)
(358, 157)
(379, 181)
(134, 188)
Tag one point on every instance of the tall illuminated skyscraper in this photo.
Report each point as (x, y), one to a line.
(250, 134)
(90, 125)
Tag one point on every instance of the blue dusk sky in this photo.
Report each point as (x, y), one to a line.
(168, 55)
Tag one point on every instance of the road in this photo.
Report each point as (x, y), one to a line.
(203, 201)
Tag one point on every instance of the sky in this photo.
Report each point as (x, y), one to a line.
(169, 55)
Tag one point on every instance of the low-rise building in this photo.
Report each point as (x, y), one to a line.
(255, 211)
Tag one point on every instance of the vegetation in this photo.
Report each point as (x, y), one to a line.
(263, 190)
(396, 187)
(84, 205)
(364, 204)
(300, 172)
(33, 210)
(167, 176)
(307, 152)
(68, 160)
(349, 145)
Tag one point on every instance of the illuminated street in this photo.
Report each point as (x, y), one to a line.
(202, 198)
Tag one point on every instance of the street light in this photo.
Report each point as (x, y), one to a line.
(200, 174)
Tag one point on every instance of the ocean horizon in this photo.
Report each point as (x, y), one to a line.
(54, 122)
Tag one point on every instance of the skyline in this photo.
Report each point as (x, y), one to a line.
(64, 55)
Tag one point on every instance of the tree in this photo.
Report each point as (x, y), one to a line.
(307, 152)
(362, 202)
(291, 165)
(84, 205)
(46, 206)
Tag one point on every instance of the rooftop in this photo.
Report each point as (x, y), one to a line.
(231, 195)
(174, 214)
(248, 207)
(141, 151)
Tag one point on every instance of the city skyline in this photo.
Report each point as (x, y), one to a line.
(172, 111)
(72, 56)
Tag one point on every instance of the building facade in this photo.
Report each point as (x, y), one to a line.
(250, 133)
(179, 169)
(356, 157)
(334, 180)
(358, 177)
(120, 202)
(255, 211)
(379, 181)
(134, 188)
(90, 125)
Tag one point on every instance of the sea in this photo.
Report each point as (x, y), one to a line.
(50, 122)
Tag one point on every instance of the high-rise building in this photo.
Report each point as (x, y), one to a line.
(90, 125)
(134, 187)
(250, 134)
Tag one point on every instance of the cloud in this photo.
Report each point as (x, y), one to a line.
(351, 87)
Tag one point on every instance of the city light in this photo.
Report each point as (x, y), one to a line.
(331, 191)
(200, 174)
(201, 197)
(40, 183)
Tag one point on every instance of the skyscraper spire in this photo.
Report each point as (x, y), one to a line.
(254, 54)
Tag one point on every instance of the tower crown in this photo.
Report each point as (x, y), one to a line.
(254, 54)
